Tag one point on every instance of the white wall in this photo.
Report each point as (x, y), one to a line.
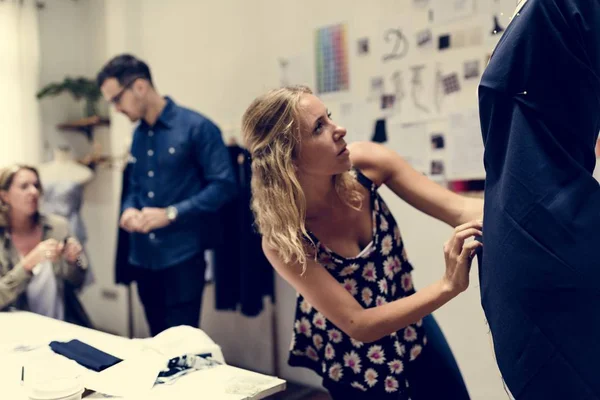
(73, 43)
(216, 57)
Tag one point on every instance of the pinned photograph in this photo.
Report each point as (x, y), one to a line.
(450, 83)
(363, 46)
(472, 69)
(388, 101)
(437, 141)
(437, 167)
(377, 84)
(424, 38)
(444, 42)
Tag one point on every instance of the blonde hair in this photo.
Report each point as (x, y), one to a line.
(272, 136)
(7, 176)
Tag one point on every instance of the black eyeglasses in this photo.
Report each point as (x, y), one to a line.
(117, 98)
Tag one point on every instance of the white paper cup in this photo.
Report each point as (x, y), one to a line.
(55, 389)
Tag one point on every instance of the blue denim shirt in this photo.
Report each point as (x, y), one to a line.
(181, 161)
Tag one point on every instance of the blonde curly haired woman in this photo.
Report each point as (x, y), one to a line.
(360, 324)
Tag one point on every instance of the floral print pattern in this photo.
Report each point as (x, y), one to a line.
(374, 278)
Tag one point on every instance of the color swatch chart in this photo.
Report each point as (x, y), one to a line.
(331, 47)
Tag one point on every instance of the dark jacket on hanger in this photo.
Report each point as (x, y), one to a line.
(243, 275)
(123, 271)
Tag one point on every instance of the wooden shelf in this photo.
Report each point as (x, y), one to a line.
(84, 125)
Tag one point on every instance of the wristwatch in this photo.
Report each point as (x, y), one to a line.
(171, 213)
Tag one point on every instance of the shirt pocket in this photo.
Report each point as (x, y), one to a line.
(174, 155)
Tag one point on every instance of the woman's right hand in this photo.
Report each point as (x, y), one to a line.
(459, 255)
(50, 250)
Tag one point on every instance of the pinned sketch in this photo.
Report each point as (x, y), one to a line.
(451, 10)
(438, 92)
(414, 88)
(410, 141)
(363, 46)
(472, 69)
(465, 147)
(357, 117)
(398, 84)
(417, 89)
(424, 38)
(397, 44)
(451, 83)
(376, 87)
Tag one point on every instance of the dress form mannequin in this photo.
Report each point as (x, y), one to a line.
(64, 168)
(63, 180)
(539, 276)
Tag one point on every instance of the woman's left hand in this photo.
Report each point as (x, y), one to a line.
(72, 250)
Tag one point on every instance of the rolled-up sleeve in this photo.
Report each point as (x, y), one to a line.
(13, 284)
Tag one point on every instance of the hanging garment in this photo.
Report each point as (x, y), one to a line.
(124, 272)
(243, 275)
(540, 278)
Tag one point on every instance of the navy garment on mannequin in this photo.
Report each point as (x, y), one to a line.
(540, 275)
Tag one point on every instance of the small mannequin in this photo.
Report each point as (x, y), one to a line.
(63, 180)
(64, 168)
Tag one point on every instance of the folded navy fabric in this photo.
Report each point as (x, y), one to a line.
(85, 355)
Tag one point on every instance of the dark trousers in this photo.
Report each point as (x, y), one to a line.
(433, 375)
(172, 296)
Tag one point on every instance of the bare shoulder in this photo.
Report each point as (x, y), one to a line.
(286, 270)
(371, 159)
(320, 289)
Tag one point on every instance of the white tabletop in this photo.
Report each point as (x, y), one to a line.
(31, 334)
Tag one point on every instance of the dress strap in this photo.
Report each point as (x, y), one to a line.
(362, 179)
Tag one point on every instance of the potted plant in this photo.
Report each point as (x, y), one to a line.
(79, 88)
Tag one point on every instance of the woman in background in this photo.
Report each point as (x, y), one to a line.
(39, 260)
(360, 324)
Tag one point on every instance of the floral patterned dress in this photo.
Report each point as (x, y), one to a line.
(381, 273)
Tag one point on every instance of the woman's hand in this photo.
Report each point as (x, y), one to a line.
(458, 253)
(50, 250)
(72, 250)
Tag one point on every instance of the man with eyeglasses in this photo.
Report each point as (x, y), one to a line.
(179, 177)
